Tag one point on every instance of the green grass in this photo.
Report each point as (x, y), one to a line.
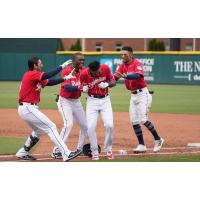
(180, 99)
(167, 98)
(176, 99)
(175, 158)
(10, 145)
(190, 158)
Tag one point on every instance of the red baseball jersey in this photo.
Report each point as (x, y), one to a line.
(134, 67)
(31, 85)
(73, 81)
(93, 81)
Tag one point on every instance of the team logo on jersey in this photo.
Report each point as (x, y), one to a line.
(91, 85)
(39, 86)
(74, 83)
(140, 68)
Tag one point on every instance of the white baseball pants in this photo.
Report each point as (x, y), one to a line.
(94, 107)
(139, 106)
(69, 109)
(40, 123)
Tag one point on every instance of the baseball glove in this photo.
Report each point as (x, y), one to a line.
(57, 97)
(151, 92)
(87, 150)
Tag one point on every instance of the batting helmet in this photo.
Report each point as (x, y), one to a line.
(87, 150)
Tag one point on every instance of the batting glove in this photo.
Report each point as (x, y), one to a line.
(103, 85)
(65, 64)
(85, 88)
(124, 75)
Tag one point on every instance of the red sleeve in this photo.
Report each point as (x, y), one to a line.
(118, 73)
(44, 82)
(36, 75)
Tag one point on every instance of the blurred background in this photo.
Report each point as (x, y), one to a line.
(51, 45)
(166, 60)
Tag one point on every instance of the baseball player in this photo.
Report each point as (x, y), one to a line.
(69, 104)
(29, 96)
(133, 72)
(95, 80)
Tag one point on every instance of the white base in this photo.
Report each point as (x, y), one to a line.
(123, 152)
(193, 144)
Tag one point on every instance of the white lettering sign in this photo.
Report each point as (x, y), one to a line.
(197, 66)
(184, 66)
(147, 68)
(196, 77)
(148, 78)
(117, 61)
(147, 61)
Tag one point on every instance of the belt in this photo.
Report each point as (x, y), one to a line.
(136, 91)
(98, 96)
(21, 104)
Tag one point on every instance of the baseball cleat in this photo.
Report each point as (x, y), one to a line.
(73, 154)
(56, 155)
(140, 149)
(110, 155)
(95, 157)
(81, 154)
(27, 157)
(158, 144)
(24, 155)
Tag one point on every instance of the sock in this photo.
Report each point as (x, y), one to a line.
(138, 133)
(151, 128)
(30, 142)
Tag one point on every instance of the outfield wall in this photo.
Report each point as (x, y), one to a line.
(160, 67)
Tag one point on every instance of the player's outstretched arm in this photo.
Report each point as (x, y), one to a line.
(60, 80)
(104, 85)
(117, 75)
(47, 75)
(132, 76)
(112, 83)
(55, 81)
(71, 88)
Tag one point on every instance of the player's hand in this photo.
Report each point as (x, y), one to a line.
(103, 85)
(124, 75)
(85, 88)
(67, 63)
(69, 76)
(77, 84)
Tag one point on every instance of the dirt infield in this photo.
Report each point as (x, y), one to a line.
(177, 129)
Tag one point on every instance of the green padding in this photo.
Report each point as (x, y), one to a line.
(159, 68)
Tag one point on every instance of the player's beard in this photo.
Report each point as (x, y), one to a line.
(77, 68)
(81, 65)
(126, 61)
(77, 65)
(38, 68)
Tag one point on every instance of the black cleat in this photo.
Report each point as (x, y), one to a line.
(27, 157)
(73, 154)
(56, 155)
